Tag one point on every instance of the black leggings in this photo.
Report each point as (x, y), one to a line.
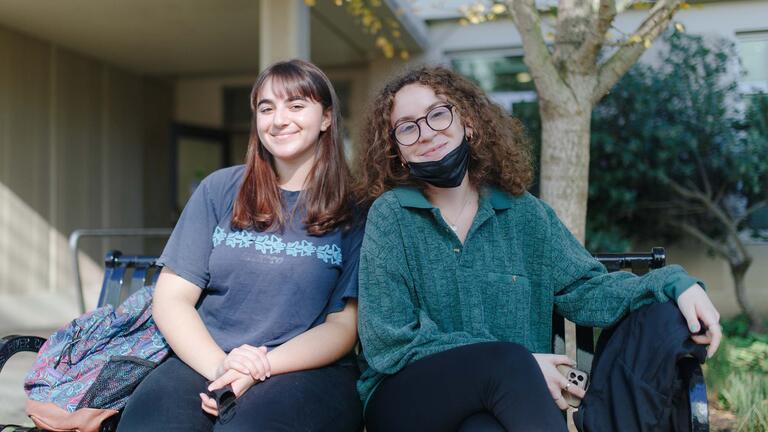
(498, 386)
(495, 386)
(314, 400)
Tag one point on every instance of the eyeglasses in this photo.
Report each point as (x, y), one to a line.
(438, 119)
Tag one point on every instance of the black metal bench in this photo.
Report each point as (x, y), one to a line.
(690, 369)
(125, 274)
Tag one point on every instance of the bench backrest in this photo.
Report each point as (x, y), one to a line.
(125, 274)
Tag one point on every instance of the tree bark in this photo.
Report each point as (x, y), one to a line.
(565, 162)
(570, 81)
(731, 249)
(738, 272)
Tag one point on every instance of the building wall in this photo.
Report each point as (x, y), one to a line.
(72, 153)
(718, 18)
(716, 274)
(199, 100)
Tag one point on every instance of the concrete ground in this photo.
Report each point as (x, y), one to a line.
(12, 384)
(37, 314)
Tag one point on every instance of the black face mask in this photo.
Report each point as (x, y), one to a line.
(447, 172)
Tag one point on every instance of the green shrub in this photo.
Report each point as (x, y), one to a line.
(737, 376)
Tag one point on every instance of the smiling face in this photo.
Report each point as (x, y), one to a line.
(414, 101)
(289, 126)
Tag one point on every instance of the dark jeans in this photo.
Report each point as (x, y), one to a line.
(495, 386)
(498, 386)
(321, 399)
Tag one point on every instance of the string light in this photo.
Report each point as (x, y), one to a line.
(388, 35)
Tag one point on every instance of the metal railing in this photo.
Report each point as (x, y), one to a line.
(74, 244)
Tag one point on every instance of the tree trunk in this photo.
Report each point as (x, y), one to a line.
(738, 271)
(565, 162)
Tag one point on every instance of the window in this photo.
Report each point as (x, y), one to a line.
(753, 50)
(494, 71)
(501, 73)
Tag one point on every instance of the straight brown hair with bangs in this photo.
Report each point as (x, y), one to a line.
(325, 195)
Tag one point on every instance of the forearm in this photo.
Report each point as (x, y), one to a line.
(317, 347)
(604, 298)
(190, 340)
(173, 309)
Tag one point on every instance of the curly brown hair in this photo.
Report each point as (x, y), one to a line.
(500, 152)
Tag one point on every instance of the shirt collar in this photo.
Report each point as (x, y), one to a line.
(413, 197)
(499, 199)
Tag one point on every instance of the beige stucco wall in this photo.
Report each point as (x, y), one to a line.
(200, 101)
(716, 274)
(72, 149)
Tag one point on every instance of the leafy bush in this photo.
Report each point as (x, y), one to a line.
(737, 376)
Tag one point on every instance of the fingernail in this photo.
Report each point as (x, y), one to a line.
(694, 328)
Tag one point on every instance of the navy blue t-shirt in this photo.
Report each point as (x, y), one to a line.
(259, 288)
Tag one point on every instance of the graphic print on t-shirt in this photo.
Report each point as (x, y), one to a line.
(273, 244)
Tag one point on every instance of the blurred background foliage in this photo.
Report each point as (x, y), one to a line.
(682, 119)
(737, 376)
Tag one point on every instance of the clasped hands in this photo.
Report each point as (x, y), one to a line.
(241, 368)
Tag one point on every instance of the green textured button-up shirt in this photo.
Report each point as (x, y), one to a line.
(423, 292)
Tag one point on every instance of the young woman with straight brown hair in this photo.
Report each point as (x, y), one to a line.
(259, 284)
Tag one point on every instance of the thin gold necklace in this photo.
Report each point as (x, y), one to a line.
(455, 227)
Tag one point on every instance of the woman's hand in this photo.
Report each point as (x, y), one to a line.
(240, 382)
(556, 382)
(247, 360)
(696, 306)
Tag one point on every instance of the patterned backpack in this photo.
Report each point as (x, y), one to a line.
(86, 370)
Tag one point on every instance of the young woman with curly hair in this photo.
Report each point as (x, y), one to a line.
(461, 268)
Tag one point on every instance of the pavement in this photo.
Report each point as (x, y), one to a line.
(12, 384)
(37, 314)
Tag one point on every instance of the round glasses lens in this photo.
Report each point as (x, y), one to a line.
(440, 118)
(407, 133)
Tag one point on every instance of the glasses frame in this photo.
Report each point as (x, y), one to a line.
(417, 121)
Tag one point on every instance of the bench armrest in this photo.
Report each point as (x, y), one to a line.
(10, 345)
(693, 378)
